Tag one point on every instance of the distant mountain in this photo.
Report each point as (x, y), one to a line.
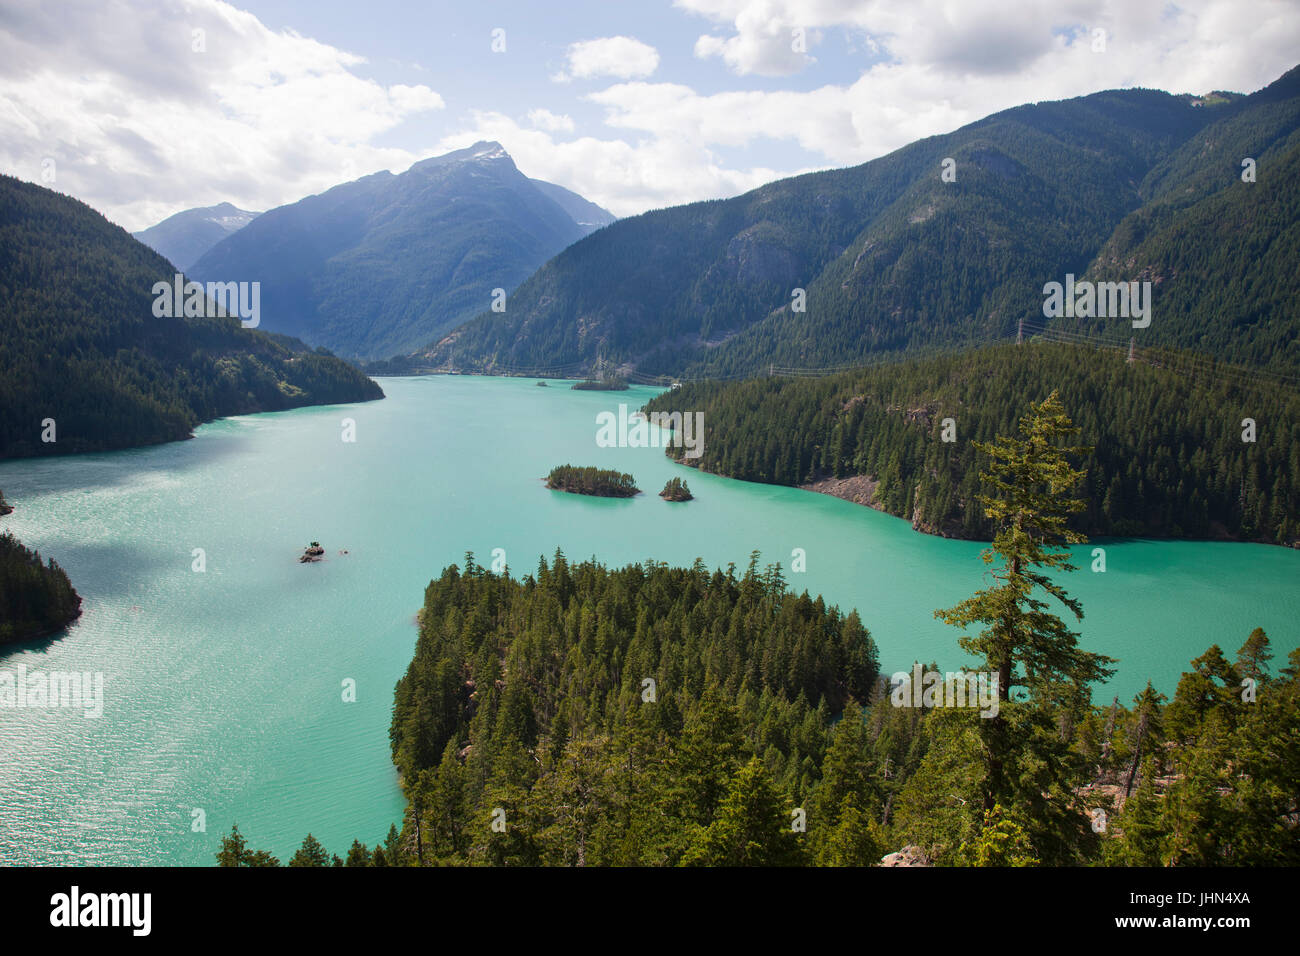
(586, 214)
(380, 266)
(83, 359)
(895, 259)
(184, 237)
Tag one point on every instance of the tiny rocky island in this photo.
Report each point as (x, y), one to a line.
(676, 490)
(313, 552)
(600, 482)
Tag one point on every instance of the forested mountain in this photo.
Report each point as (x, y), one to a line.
(894, 258)
(1168, 453)
(84, 361)
(184, 237)
(381, 265)
(1221, 251)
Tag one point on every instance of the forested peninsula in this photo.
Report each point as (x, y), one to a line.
(1179, 449)
(86, 366)
(36, 599)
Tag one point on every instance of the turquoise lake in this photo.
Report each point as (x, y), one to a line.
(223, 689)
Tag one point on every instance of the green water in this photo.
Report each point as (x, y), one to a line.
(223, 689)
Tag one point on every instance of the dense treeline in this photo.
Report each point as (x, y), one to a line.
(587, 771)
(79, 344)
(602, 482)
(36, 598)
(522, 692)
(1168, 457)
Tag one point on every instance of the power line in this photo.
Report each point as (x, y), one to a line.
(1028, 331)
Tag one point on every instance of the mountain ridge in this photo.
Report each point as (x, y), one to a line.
(184, 237)
(376, 266)
(86, 365)
(893, 259)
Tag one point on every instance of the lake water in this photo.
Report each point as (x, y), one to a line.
(224, 689)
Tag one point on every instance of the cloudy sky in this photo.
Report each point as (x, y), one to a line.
(142, 108)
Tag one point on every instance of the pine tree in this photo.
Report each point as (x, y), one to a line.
(1023, 643)
(233, 848)
(841, 823)
(1147, 733)
(234, 852)
(751, 827)
(1002, 841)
(1136, 835)
(311, 853)
(1253, 657)
(358, 855)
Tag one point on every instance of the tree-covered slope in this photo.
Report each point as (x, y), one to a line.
(79, 343)
(379, 266)
(1168, 458)
(36, 598)
(659, 716)
(896, 258)
(1222, 253)
(515, 684)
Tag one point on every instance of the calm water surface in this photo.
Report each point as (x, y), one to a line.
(223, 689)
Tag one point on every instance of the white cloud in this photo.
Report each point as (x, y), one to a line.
(265, 117)
(940, 65)
(142, 125)
(1184, 45)
(621, 57)
(623, 177)
(552, 123)
(766, 42)
(675, 144)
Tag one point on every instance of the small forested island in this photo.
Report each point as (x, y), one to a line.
(601, 482)
(676, 490)
(313, 552)
(36, 599)
(4, 505)
(542, 385)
